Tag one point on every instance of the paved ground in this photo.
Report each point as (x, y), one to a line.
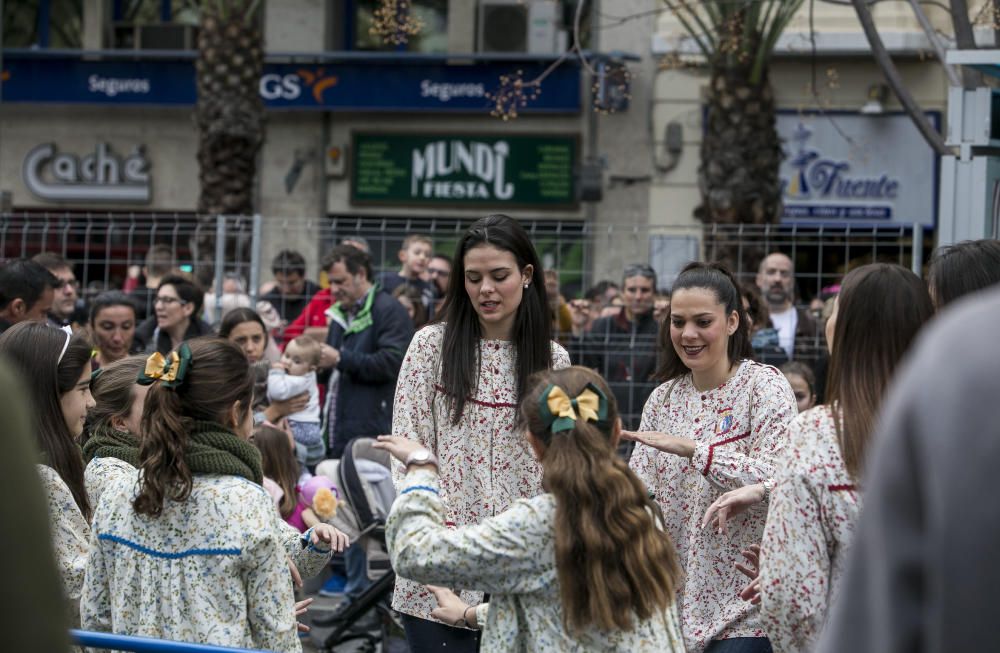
(322, 605)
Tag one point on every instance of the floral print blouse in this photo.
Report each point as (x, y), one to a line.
(810, 524)
(511, 556)
(739, 431)
(212, 569)
(70, 536)
(485, 464)
(102, 471)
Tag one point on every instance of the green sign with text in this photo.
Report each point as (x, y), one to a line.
(428, 169)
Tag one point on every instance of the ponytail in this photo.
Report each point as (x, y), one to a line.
(200, 382)
(716, 278)
(613, 563)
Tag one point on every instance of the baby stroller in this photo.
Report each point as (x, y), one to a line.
(363, 483)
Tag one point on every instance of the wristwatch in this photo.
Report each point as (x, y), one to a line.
(421, 457)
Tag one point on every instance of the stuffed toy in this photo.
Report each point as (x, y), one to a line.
(320, 494)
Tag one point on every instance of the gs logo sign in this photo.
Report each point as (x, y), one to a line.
(288, 87)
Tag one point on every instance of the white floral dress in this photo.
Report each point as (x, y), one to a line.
(485, 464)
(815, 507)
(511, 556)
(212, 569)
(70, 536)
(739, 431)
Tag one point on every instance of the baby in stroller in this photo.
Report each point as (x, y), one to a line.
(362, 486)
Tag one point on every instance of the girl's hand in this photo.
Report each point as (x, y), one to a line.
(683, 447)
(300, 609)
(731, 504)
(451, 609)
(296, 576)
(333, 538)
(399, 448)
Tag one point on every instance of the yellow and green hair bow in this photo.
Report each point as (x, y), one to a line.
(560, 412)
(169, 370)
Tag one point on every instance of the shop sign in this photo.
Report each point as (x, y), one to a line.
(850, 168)
(100, 176)
(377, 84)
(471, 170)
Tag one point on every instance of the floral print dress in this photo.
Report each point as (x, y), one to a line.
(212, 569)
(739, 431)
(814, 510)
(485, 464)
(70, 536)
(511, 556)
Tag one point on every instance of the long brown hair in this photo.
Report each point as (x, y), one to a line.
(279, 464)
(880, 309)
(531, 333)
(34, 349)
(114, 392)
(217, 377)
(612, 560)
(716, 278)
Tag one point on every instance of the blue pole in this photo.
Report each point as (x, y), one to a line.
(146, 644)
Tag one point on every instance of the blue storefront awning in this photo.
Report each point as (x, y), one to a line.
(379, 82)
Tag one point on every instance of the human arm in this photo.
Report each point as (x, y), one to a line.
(267, 583)
(393, 332)
(70, 536)
(731, 461)
(413, 414)
(503, 554)
(733, 503)
(95, 598)
(454, 611)
(283, 386)
(279, 409)
(310, 560)
(794, 578)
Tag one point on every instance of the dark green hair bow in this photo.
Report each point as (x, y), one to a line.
(169, 370)
(559, 411)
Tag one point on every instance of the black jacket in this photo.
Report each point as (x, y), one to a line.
(152, 339)
(624, 353)
(369, 364)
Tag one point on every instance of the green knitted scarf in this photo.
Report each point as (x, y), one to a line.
(214, 449)
(112, 443)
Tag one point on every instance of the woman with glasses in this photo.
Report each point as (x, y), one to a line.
(176, 309)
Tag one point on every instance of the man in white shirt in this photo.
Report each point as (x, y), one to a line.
(776, 280)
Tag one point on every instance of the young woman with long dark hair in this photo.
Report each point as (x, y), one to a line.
(55, 366)
(192, 551)
(716, 423)
(458, 391)
(817, 499)
(583, 566)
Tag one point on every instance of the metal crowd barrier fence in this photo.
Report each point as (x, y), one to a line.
(107, 641)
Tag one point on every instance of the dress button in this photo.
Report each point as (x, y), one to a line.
(697, 420)
(704, 397)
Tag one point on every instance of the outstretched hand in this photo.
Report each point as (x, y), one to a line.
(332, 537)
(398, 447)
(678, 446)
(451, 609)
(752, 571)
(731, 504)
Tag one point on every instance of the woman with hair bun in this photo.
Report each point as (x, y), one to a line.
(192, 551)
(717, 423)
(582, 567)
(55, 366)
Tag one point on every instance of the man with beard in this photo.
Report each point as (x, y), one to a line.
(776, 280)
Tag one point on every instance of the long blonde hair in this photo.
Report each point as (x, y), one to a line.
(613, 563)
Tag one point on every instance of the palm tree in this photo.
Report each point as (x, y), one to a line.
(740, 150)
(229, 115)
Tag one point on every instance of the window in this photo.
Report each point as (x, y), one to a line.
(432, 37)
(155, 24)
(43, 24)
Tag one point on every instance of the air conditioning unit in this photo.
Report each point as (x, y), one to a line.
(529, 26)
(157, 36)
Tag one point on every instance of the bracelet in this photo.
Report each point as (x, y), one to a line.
(768, 485)
(473, 608)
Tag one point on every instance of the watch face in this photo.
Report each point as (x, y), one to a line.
(423, 455)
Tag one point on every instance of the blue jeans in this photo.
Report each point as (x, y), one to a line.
(740, 645)
(356, 570)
